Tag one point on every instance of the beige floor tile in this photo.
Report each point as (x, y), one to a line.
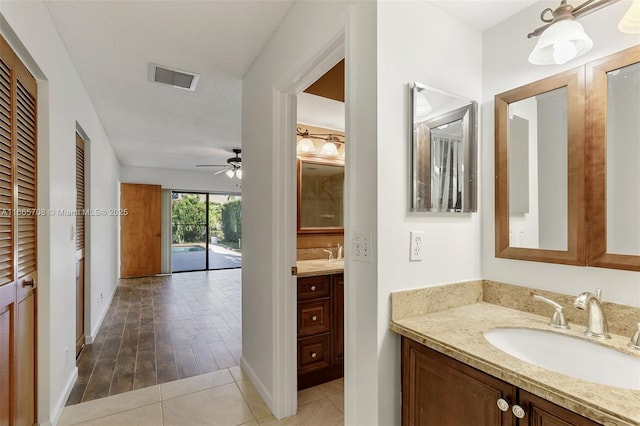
(150, 415)
(251, 423)
(195, 384)
(111, 405)
(320, 412)
(334, 391)
(253, 398)
(222, 405)
(308, 395)
(237, 373)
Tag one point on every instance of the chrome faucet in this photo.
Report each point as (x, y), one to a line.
(558, 320)
(596, 322)
(340, 247)
(330, 254)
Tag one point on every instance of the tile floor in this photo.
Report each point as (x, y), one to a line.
(225, 397)
(161, 329)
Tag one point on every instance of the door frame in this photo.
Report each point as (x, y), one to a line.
(285, 392)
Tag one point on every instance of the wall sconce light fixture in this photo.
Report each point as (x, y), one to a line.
(562, 38)
(329, 148)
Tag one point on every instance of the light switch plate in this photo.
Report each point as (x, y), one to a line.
(416, 246)
(362, 248)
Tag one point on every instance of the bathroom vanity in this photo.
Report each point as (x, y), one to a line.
(320, 327)
(451, 373)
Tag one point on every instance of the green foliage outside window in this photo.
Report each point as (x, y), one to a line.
(189, 225)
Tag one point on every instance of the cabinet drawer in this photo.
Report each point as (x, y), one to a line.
(313, 353)
(314, 317)
(314, 287)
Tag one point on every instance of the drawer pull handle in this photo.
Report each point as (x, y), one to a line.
(314, 355)
(313, 288)
(503, 405)
(518, 411)
(29, 283)
(314, 318)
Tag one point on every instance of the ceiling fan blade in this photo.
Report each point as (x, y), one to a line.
(221, 171)
(211, 165)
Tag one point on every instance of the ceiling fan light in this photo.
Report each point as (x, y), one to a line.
(306, 145)
(561, 42)
(239, 174)
(329, 149)
(229, 173)
(630, 22)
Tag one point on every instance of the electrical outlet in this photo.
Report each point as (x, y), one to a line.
(416, 245)
(362, 247)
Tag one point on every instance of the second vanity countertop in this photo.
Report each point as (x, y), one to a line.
(315, 267)
(459, 333)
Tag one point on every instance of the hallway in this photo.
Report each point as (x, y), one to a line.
(161, 329)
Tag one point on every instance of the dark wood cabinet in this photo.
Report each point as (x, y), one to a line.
(320, 329)
(439, 390)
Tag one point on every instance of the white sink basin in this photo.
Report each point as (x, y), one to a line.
(569, 355)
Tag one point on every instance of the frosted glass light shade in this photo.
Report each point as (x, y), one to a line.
(229, 173)
(239, 174)
(329, 148)
(306, 145)
(630, 22)
(560, 43)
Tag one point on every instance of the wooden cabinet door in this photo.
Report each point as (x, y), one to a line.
(140, 230)
(440, 391)
(540, 412)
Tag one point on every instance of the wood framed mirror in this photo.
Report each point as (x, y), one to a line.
(613, 155)
(320, 196)
(539, 165)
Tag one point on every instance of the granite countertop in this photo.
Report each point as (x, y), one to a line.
(459, 333)
(315, 267)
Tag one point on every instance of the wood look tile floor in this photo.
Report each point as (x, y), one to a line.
(162, 329)
(225, 397)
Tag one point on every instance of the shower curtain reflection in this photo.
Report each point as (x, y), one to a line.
(447, 172)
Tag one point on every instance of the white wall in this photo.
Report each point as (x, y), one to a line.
(417, 42)
(181, 179)
(63, 102)
(505, 66)
(269, 195)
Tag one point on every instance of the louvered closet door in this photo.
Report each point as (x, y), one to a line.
(80, 232)
(18, 226)
(7, 276)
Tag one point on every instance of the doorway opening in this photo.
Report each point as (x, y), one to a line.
(206, 232)
(320, 152)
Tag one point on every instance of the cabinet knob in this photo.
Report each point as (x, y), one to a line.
(313, 288)
(518, 411)
(29, 283)
(314, 318)
(503, 405)
(314, 355)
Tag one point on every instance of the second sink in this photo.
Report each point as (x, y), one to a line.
(569, 355)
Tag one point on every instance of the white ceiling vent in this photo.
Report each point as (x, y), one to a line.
(177, 78)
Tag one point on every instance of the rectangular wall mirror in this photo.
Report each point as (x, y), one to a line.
(320, 197)
(567, 155)
(444, 151)
(613, 147)
(539, 170)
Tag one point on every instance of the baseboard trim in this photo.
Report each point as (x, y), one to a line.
(257, 383)
(60, 404)
(88, 339)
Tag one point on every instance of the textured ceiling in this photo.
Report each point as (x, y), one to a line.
(153, 125)
(484, 14)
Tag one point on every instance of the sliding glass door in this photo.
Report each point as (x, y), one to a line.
(206, 231)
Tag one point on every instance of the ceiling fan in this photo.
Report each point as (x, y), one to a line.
(232, 168)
